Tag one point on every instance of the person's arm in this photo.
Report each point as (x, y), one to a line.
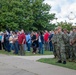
(23, 41)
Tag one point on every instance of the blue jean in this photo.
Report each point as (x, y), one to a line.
(41, 51)
(7, 46)
(11, 46)
(16, 47)
(51, 46)
(28, 46)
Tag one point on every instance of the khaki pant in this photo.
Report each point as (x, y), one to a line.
(22, 51)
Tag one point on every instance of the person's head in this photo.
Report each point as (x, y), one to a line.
(50, 32)
(22, 31)
(41, 33)
(33, 33)
(59, 29)
(56, 30)
(46, 31)
(74, 29)
(65, 30)
(11, 32)
(1, 33)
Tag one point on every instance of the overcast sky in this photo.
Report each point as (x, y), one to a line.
(62, 8)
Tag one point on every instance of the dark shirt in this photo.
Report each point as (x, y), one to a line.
(50, 37)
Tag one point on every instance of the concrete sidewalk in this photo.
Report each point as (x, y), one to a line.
(13, 65)
(34, 58)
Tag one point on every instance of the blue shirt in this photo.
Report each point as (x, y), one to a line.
(28, 38)
(0, 37)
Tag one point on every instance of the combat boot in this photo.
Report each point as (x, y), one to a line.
(64, 62)
(59, 61)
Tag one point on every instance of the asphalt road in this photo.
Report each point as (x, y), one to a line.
(13, 65)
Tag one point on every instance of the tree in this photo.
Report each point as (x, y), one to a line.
(65, 25)
(26, 14)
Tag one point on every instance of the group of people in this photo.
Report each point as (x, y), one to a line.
(19, 42)
(61, 42)
(64, 45)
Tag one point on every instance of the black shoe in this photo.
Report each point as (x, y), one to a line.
(64, 62)
(59, 61)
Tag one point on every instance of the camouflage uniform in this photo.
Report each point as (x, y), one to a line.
(67, 45)
(61, 47)
(73, 46)
(54, 41)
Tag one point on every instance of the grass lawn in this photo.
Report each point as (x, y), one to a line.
(70, 65)
(26, 53)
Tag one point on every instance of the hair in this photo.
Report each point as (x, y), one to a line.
(59, 27)
(41, 32)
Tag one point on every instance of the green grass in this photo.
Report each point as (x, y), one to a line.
(6, 53)
(70, 65)
(26, 53)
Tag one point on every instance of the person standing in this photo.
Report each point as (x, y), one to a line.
(15, 43)
(61, 47)
(73, 45)
(21, 41)
(11, 41)
(6, 42)
(0, 41)
(54, 42)
(50, 40)
(34, 43)
(67, 45)
(41, 42)
(28, 41)
(46, 37)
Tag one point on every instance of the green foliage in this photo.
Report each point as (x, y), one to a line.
(65, 25)
(26, 14)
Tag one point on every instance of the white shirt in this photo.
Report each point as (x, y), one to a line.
(39, 39)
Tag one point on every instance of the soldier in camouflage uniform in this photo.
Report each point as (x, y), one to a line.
(73, 45)
(67, 45)
(61, 47)
(54, 41)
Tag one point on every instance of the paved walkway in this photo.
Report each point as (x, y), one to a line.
(16, 65)
(34, 58)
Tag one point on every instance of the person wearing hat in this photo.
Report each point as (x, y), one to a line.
(73, 45)
(54, 42)
(66, 41)
(61, 47)
(0, 41)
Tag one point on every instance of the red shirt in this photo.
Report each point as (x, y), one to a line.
(37, 35)
(21, 38)
(46, 36)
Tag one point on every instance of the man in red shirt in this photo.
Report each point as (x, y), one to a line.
(22, 41)
(46, 36)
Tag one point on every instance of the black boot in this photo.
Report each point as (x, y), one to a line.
(59, 61)
(64, 62)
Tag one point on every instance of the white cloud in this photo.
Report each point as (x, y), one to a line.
(62, 8)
